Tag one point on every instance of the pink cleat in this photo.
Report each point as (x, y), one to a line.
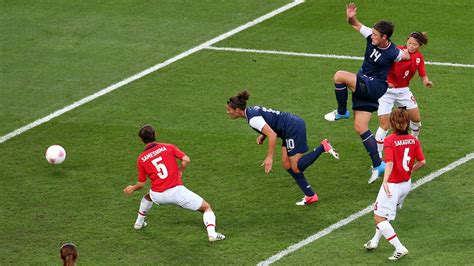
(329, 149)
(308, 200)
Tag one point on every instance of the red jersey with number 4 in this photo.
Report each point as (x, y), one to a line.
(402, 72)
(402, 150)
(158, 162)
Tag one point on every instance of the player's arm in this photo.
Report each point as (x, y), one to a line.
(422, 72)
(418, 165)
(351, 11)
(132, 188)
(272, 136)
(386, 175)
(260, 139)
(184, 163)
(427, 82)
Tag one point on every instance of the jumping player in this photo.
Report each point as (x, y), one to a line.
(158, 162)
(291, 129)
(401, 149)
(369, 84)
(398, 91)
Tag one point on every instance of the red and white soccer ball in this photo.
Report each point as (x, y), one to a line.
(55, 154)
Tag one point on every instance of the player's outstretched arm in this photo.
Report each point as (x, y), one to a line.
(428, 83)
(351, 12)
(132, 188)
(184, 163)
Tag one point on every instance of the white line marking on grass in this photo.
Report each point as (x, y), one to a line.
(361, 213)
(244, 50)
(149, 71)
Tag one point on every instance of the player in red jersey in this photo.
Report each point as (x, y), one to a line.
(401, 150)
(158, 162)
(399, 92)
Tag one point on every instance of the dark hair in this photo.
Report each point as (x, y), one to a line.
(420, 37)
(147, 133)
(68, 254)
(400, 121)
(385, 27)
(239, 100)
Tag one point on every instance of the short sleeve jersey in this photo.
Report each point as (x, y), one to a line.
(402, 72)
(258, 116)
(158, 162)
(377, 61)
(402, 150)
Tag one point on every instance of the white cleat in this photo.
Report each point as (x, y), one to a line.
(371, 245)
(217, 237)
(140, 226)
(398, 254)
(334, 116)
(377, 172)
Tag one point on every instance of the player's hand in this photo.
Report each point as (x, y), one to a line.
(128, 190)
(387, 190)
(390, 85)
(261, 139)
(428, 83)
(351, 10)
(267, 164)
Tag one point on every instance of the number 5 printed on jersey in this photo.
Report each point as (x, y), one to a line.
(160, 168)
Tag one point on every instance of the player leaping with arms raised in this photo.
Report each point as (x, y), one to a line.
(369, 84)
(401, 150)
(158, 162)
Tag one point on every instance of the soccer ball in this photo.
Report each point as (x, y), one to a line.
(55, 154)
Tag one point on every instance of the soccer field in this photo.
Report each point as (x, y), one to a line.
(55, 54)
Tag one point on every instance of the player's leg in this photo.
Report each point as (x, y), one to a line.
(343, 81)
(192, 201)
(385, 211)
(415, 121)
(145, 205)
(386, 103)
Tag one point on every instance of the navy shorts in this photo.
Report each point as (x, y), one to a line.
(367, 93)
(295, 138)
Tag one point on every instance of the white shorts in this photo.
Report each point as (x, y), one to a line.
(178, 195)
(400, 96)
(387, 207)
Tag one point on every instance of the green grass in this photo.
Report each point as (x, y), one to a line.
(82, 201)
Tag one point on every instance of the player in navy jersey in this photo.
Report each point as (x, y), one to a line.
(401, 150)
(369, 84)
(291, 129)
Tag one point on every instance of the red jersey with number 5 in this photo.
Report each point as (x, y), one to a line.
(402, 150)
(158, 162)
(402, 72)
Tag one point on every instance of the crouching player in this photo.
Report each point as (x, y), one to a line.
(400, 150)
(158, 162)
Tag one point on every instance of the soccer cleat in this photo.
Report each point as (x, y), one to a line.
(333, 116)
(308, 200)
(140, 226)
(377, 172)
(329, 149)
(398, 254)
(371, 245)
(217, 237)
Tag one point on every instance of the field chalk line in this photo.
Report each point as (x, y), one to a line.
(244, 50)
(149, 71)
(360, 213)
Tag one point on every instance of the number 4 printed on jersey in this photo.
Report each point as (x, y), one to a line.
(161, 170)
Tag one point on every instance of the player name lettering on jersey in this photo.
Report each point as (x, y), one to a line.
(153, 153)
(404, 142)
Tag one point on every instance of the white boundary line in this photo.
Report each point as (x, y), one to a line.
(149, 71)
(360, 213)
(244, 50)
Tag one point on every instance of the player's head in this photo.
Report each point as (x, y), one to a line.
(237, 104)
(400, 121)
(68, 254)
(382, 31)
(416, 40)
(147, 134)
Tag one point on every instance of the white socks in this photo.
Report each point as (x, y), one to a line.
(389, 233)
(145, 206)
(415, 128)
(377, 236)
(379, 137)
(210, 222)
